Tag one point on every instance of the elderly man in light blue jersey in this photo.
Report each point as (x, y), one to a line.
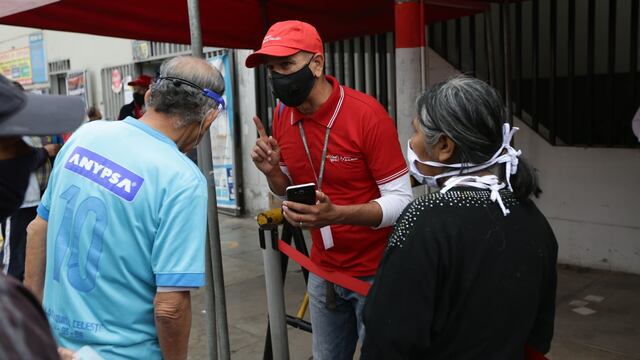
(119, 237)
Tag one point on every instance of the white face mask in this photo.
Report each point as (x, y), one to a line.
(510, 159)
(430, 181)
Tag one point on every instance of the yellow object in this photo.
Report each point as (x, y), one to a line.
(273, 216)
(303, 307)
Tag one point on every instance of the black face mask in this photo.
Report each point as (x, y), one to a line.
(14, 179)
(138, 99)
(293, 89)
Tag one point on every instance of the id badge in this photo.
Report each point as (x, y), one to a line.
(327, 237)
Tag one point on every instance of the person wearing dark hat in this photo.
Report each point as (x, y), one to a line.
(23, 114)
(121, 233)
(12, 254)
(345, 143)
(24, 331)
(135, 108)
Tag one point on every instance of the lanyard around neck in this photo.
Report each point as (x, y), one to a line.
(319, 177)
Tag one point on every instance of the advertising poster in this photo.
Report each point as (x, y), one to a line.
(222, 134)
(116, 81)
(16, 65)
(26, 65)
(77, 85)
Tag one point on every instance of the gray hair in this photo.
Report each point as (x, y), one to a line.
(184, 103)
(471, 114)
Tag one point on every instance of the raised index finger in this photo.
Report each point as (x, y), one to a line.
(261, 131)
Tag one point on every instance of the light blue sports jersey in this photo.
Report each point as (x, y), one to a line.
(126, 214)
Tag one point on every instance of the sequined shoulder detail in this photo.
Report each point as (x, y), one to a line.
(429, 203)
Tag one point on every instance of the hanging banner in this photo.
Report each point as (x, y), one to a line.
(222, 135)
(38, 61)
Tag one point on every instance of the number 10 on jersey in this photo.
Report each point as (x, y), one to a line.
(69, 237)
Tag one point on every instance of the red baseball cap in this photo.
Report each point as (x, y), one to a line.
(142, 80)
(286, 38)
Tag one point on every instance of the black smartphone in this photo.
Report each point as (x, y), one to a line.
(304, 193)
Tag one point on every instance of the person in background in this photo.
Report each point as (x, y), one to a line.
(135, 108)
(12, 253)
(469, 271)
(93, 113)
(24, 331)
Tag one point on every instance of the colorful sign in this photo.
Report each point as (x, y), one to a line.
(16, 65)
(77, 85)
(26, 65)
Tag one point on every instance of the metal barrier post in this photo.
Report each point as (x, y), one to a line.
(275, 293)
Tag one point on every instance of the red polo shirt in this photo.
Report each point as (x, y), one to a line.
(363, 152)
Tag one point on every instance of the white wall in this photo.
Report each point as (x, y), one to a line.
(591, 196)
(88, 52)
(256, 193)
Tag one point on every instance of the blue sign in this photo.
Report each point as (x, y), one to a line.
(38, 62)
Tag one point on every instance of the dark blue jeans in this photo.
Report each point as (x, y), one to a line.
(335, 331)
(15, 248)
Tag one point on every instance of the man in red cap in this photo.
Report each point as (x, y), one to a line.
(135, 108)
(344, 142)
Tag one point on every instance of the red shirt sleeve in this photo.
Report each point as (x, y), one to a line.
(382, 148)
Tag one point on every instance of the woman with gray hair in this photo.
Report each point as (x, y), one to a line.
(469, 272)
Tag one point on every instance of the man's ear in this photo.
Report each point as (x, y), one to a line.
(208, 120)
(444, 149)
(147, 96)
(317, 65)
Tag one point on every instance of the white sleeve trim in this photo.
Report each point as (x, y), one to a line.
(174, 288)
(394, 197)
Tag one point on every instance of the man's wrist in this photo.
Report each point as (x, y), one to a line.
(275, 173)
(338, 215)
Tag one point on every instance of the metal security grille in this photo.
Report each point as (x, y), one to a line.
(59, 66)
(365, 63)
(574, 69)
(113, 101)
(153, 50)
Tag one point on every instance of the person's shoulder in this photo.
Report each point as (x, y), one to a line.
(367, 104)
(428, 213)
(183, 171)
(128, 105)
(411, 218)
(93, 129)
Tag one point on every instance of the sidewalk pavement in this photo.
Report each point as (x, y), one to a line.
(597, 312)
